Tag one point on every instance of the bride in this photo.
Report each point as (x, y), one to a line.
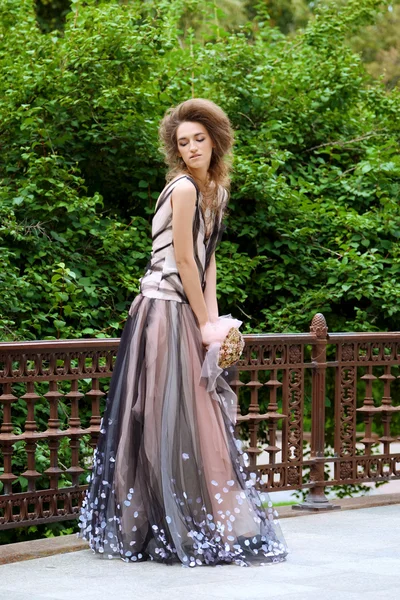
(169, 479)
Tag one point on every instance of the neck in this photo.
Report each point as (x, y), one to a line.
(200, 175)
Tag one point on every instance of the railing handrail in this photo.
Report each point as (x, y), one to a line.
(78, 343)
(65, 344)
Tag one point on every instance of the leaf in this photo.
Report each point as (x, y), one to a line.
(366, 167)
(58, 324)
(63, 296)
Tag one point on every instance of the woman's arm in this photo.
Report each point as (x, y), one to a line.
(210, 293)
(183, 200)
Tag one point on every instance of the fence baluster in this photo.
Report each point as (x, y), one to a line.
(316, 499)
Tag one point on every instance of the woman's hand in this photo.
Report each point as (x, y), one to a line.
(208, 333)
(215, 332)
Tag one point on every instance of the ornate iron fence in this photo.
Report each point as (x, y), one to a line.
(281, 380)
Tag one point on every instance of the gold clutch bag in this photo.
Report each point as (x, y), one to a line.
(231, 348)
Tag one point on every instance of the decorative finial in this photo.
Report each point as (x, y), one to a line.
(318, 326)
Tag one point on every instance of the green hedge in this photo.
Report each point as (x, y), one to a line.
(314, 221)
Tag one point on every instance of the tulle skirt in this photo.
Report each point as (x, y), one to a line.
(169, 479)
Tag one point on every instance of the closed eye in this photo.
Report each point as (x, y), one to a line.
(198, 140)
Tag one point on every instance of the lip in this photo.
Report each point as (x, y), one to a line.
(195, 156)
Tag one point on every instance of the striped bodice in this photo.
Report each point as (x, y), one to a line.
(161, 278)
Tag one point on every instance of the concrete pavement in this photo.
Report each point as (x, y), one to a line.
(341, 555)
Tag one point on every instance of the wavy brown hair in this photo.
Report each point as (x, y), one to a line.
(216, 122)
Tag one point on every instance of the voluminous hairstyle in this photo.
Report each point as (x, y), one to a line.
(216, 122)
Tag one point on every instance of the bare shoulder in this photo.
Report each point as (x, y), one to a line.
(179, 176)
(185, 188)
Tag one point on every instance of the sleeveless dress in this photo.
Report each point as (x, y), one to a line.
(169, 480)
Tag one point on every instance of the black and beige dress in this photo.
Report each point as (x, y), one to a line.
(169, 479)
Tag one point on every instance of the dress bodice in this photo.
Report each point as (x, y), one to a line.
(161, 278)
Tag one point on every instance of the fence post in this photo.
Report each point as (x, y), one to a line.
(316, 499)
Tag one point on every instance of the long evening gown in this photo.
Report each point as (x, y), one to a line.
(169, 479)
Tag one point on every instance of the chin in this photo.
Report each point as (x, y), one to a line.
(198, 164)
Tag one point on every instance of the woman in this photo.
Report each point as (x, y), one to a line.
(168, 480)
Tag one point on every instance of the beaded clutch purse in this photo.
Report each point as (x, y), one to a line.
(231, 348)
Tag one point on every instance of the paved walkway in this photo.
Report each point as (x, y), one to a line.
(343, 555)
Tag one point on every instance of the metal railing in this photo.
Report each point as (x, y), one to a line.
(281, 380)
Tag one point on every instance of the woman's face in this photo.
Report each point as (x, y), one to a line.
(194, 145)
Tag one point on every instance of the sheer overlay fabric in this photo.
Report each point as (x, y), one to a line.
(169, 481)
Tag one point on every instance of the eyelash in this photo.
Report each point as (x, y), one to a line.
(202, 140)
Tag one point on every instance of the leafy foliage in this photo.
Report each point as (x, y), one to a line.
(51, 14)
(379, 45)
(314, 217)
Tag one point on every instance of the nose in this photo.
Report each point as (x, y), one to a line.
(193, 146)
